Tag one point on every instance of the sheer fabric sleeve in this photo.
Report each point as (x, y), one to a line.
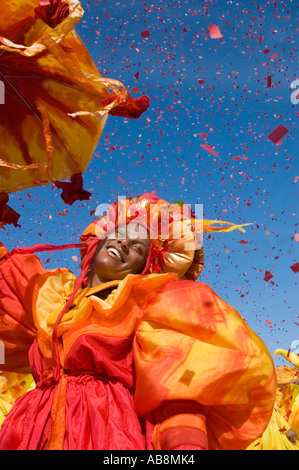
(192, 349)
(18, 274)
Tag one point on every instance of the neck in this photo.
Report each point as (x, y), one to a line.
(103, 294)
(94, 280)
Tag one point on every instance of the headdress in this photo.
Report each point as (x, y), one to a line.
(289, 356)
(175, 233)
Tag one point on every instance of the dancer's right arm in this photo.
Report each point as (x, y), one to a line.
(18, 273)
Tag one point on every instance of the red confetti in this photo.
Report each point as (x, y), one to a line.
(273, 56)
(269, 81)
(145, 33)
(278, 133)
(209, 149)
(295, 267)
(215, 32)
(268, 276)
(244, 242)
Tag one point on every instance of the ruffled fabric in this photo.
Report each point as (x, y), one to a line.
(99, 416)
(131, 108)
(73, 191)
(52, 12)
(7, 214)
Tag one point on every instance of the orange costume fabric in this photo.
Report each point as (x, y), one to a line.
(159, 364)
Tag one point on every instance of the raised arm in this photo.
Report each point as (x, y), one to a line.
(195, 354)
(18, 273)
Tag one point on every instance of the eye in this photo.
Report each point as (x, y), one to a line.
(138, 249)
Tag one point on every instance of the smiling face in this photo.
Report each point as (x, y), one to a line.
(121, 253)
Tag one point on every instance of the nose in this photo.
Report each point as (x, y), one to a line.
(125, 243)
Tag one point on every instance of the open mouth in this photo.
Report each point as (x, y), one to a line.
(115, 252)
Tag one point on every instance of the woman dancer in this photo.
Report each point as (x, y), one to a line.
(132, 354)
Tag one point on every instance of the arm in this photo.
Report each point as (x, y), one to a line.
(18, 274)
(180, 426)
(191, 346)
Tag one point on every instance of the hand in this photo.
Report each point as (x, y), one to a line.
(292, 436)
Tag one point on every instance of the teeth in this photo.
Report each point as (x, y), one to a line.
(115, 252)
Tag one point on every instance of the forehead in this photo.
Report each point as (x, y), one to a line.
(133, 230)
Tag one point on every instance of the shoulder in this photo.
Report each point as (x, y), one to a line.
(51, 291)
(19, 272)
(183, 299)
(186, 285)
(186, 290)
(59, 280)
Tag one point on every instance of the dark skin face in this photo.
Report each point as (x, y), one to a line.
(119, 254)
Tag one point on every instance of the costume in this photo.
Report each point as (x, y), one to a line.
(161, 363)
(274, 437)
(285, 412)
(288, 400)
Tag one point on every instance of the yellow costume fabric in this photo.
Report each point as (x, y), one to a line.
(285, 414)
(12, 387)
(274, 437)
(289, 405)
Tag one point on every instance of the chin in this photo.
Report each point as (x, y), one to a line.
(109, 275)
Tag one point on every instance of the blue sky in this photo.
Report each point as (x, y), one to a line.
(197, 85)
